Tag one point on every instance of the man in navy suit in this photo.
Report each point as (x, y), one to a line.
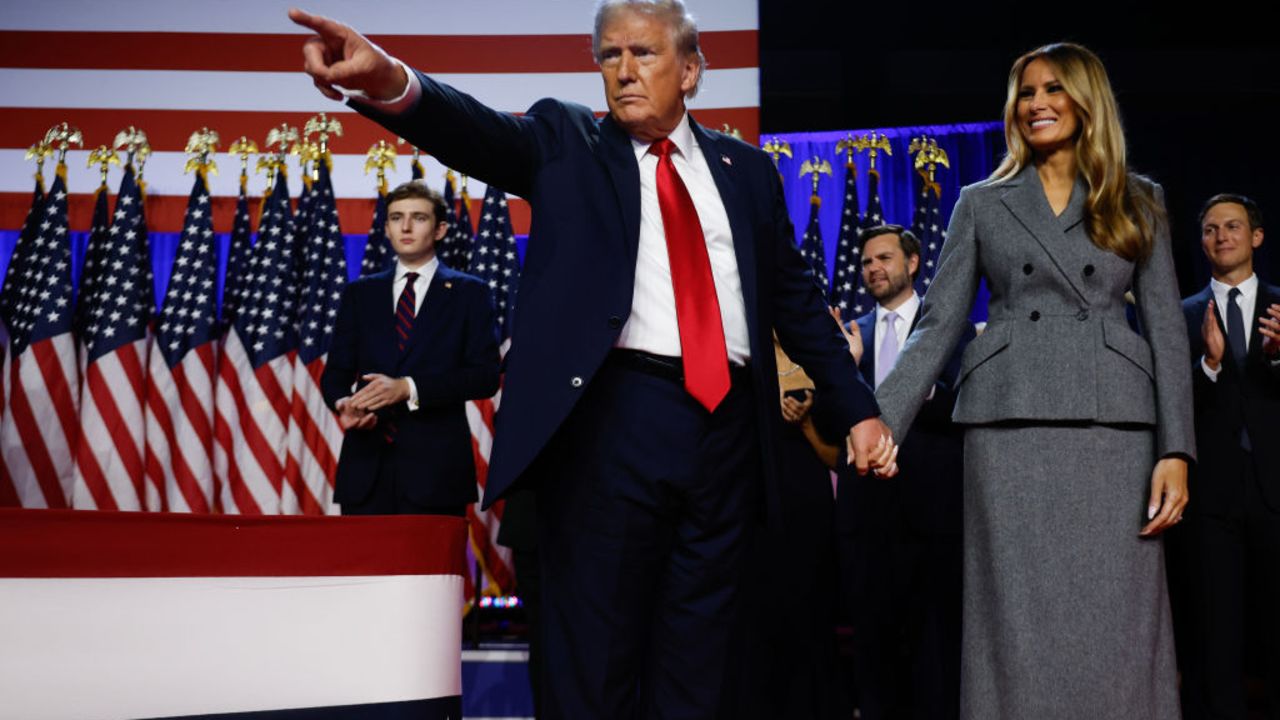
(1232, 535)
(640, 399)
(900, 541)
(419, 341)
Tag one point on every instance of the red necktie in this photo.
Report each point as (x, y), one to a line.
(404, 328)
(706, 365)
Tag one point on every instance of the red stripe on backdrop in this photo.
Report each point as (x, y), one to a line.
(169, 130)
(33, 444)
(283, 53)
(83, 543)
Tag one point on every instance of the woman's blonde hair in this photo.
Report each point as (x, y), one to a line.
(1120, 213)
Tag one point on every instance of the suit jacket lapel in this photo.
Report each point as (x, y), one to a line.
(382, 320)
(867, 326)
(619, 158)
(439, 295)
(743, 241)
(1025, 198)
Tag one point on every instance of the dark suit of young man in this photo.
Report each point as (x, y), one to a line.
(1232, 534)
(419, 339)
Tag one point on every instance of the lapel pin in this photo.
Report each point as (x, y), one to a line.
(726, 160)
(448, 284)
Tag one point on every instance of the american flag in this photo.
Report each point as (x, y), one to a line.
(811, 246)
(237, 256)
(91, 268)
(255, 371)
(41, 409)
(180, 387)
(315, 438)
(875, 214)
(116, 309)
(496, 260)
(378, 255)
(455, 248)
(847, 292)
(21, 255)
(928, 229)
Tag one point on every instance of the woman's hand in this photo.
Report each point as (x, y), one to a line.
(1168, 495)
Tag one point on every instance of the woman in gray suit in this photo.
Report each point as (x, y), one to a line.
(1078, 429)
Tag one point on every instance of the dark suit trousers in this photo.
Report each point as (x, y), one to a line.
(644, 500)
(1235, 556)
(386, 498)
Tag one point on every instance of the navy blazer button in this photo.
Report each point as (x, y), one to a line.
(575, 381)
(1026, 269)
(615, 322)
(1082, 315)
(1088, 270)
(1035, 315)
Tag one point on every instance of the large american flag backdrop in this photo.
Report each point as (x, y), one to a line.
(234, 66)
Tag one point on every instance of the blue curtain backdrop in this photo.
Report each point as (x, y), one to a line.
(974, 150)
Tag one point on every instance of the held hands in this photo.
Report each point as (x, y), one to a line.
(338, 55)
(1214, 343)
(1168, 496)
(381, 392)
(852, 335)
(1269, 327)
(350, 417)
(870, 445)
(794, 411)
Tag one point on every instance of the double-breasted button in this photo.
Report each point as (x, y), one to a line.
(615, 322)
(1082, 315)
(1035, 315)
(1088, 270)
(575, 381)
(1026, 269)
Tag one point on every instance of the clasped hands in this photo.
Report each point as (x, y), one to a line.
(357, 411)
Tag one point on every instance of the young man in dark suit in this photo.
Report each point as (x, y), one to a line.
(1232, 534)
(900, 541)
(411, 345)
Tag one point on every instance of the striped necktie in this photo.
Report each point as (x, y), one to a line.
(405, 311)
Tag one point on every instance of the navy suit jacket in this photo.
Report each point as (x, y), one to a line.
(582, 181)
(1248, 399)
(927, 496)
(452, 356)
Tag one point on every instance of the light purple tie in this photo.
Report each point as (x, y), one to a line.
(888, 348)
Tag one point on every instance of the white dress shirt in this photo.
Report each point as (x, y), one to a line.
(1248, 302)
(902, 325)
(652, 326)
(426, 272)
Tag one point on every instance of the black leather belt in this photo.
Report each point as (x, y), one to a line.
(667, 367)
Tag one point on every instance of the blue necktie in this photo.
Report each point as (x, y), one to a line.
(1235, 339)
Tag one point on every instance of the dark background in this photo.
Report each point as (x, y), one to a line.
(1199, 89)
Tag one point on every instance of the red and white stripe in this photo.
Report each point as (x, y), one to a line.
(179, 422)
(109, 465)
(41, 422)
(251, 423)
(315, 440)
(173, 68)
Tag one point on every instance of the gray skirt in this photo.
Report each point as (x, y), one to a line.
(1066, 609)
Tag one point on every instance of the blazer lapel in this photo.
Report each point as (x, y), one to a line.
(382, 321)
(619, 159)
(1025, 198)
(439, 295)
(744, 247)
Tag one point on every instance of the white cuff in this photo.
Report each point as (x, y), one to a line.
(407, 99)
(412, 402)
(1209, 372)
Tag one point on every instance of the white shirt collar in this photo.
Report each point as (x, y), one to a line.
(906, 311)
(682, 136)
(1247, 287)
(426, 268)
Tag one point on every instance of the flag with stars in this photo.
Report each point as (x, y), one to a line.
(455, 248)
(378, 254)
(928, 229)
(314, 436)
(21, 255)
(874, 215)
(180, 387)
(237, 257)
(41, 403)
(811, 246)
(91, 269)
(847, 292)
(495, 260)
(115, 306)
(255, 370)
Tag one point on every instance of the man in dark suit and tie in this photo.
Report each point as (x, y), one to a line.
(419, 341)
(899, 541)
(1232, 533)
(640, 399)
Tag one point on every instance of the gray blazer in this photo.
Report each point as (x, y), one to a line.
(1057, 346)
